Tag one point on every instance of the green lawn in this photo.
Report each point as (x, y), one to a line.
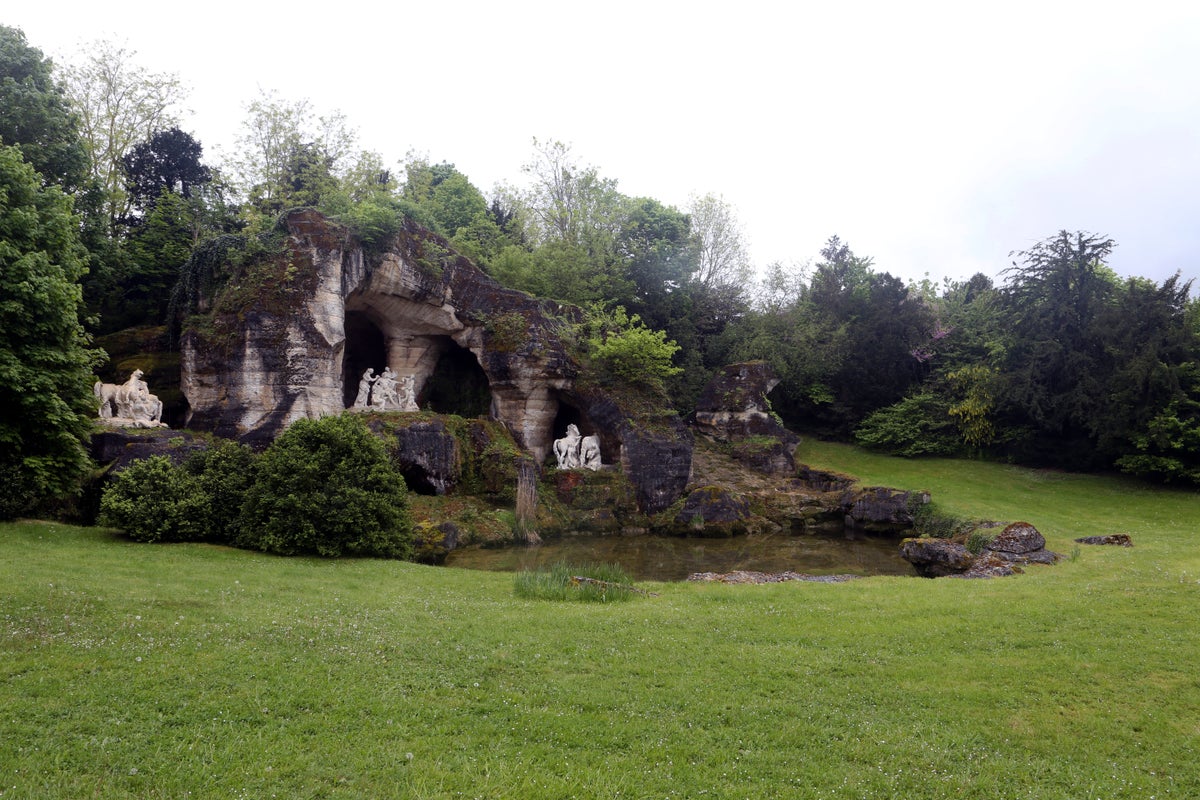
(187, 670)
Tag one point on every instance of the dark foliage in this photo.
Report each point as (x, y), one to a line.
(168, 162)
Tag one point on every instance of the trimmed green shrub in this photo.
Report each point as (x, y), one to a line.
(327, 487)
(224, 472)
(153, 500)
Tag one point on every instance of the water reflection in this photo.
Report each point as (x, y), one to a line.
(672, 558)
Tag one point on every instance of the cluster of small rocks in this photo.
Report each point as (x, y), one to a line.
(1116, 539)
(748, 576)
(1019, 543)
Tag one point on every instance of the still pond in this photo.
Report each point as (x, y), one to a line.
(673, 558)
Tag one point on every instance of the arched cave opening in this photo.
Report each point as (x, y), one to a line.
(567, 414)
(365, 347)
(458, 385)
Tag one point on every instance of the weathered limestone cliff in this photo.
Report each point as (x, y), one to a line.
(298, 347)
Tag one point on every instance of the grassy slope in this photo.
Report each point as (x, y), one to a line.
(154, 671)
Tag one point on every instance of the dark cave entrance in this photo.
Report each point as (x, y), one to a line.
(568, 415)
(458, 385)
(365, 347)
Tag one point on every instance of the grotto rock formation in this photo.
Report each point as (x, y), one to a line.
(733, 408)
(294, 342)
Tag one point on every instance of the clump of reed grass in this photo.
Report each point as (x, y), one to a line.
(588, 583)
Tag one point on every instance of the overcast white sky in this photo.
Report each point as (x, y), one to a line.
(934, 137)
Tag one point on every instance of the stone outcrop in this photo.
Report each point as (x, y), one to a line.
(936, 558)
(1017, 539)
(879, 508)
(432, 543)
(118, 448)
(734, 408)
(300, 346)
(821, 480)
(1021, 543)
(428, 456)
(988, 565)
(711, 510)
(1018, 543)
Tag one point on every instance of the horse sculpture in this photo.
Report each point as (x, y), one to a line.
(574, 451)
(130, 404)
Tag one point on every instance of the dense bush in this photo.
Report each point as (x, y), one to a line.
(918, 425)
(153, 500)
(223, 473)
(156, 500)
(327, 487)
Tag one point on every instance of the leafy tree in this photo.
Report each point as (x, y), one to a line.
(327, 487)
(570, 202)
(719, 243)
(804, 346)
(224, 472)
(35, 113)
(918, 425)
(626, 351)
(307, 178)
(153, 255)
(653, 247)
(885, 330)
(456, 209)
(45, 363)
(168, 161)
(452, 200)
(119, 104)
(291, 156)
(272, 130)
(1150, 419)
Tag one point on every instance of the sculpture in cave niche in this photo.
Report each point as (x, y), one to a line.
(566, 449)
(408, 393)
(589, 452)
(130, 405)
(574, 451)
(364, 389)
(384, 391)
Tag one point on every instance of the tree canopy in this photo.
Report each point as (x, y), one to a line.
(1059, 361)
(45, 363)
(36, 115)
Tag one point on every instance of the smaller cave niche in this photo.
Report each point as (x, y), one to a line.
(457, 385)
(365, 348)
(567, 414)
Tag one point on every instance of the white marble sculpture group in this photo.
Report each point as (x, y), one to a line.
(383, 392)
(574, 451)
(130, 404)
